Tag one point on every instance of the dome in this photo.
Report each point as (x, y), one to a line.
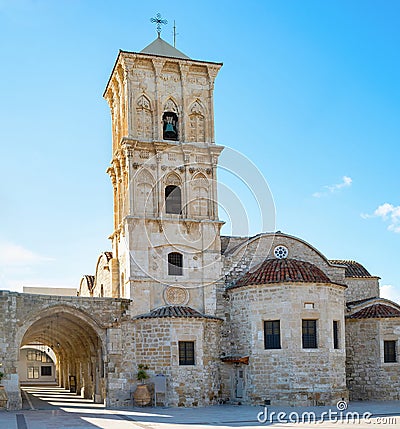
(283, 271)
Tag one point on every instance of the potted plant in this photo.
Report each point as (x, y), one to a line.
(142, 395)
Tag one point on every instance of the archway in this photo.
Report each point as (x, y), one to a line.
(77, 343)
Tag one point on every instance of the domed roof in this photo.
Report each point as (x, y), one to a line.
(175, 311)
(283, 271)
(376, 311)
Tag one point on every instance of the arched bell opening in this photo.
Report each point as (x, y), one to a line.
(76, 349)
(170, 126)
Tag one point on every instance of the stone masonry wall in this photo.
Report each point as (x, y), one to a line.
(155, 343)
(290, 375)
(361, 288)
(368, 377)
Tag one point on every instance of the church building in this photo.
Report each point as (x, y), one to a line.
(224, 319)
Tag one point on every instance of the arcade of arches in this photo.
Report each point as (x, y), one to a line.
(83, 333)
(77, 347)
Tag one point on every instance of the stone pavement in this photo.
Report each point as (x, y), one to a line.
(53, 408)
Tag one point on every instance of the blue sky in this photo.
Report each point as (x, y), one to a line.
(309, 92)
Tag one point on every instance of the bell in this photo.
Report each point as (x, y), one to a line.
(169, 131)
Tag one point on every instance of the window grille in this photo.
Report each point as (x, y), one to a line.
(309, 330)
(175, 264)
(186, 352)
(272, 334)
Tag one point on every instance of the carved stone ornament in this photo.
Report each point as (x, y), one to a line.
(143, 102)
(170, 106)
(196, 109)
(174, 295)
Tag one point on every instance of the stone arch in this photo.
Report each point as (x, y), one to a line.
(103, 276)
(173, 179)
(78, 343)
(200, 196)
(86, 285)
(144, 118)
(197, 122)
(171, 105)
(145, 201)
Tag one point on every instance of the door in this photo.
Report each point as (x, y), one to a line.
(239, 383)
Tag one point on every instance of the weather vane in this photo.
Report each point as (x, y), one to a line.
(158, 20)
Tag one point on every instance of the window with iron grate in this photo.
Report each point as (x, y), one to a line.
(186, 353)
(175, 264)
(272, 334)
(389, 351)
(309, 331)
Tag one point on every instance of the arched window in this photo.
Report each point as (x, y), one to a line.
(170, 126)
(173, 201)
(175, 264)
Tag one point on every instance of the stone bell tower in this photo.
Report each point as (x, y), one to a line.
(166, 238)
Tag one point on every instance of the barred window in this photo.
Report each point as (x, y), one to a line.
(272, 334)
(186, 352)
(175, 264)
(309, 331)
(389, 350)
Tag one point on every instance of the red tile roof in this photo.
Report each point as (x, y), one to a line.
(376, 311)
(175, 311)
(353, 268)
(283, 271)
(236, 359)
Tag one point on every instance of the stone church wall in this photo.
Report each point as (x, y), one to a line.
(290, 375)
(368, 377)
(361, 288)
(154, 342)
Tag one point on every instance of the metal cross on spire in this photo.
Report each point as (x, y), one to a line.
(158, 20)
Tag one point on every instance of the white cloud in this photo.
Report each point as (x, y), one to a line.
(16, 255)
(388, 213)
(331, 189)
(390, 292)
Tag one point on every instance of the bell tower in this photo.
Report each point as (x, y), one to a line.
(166, 237)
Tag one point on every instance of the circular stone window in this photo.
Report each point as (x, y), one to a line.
(281, 252)
(175, 295)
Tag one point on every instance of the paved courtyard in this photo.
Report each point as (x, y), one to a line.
(53, 408)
